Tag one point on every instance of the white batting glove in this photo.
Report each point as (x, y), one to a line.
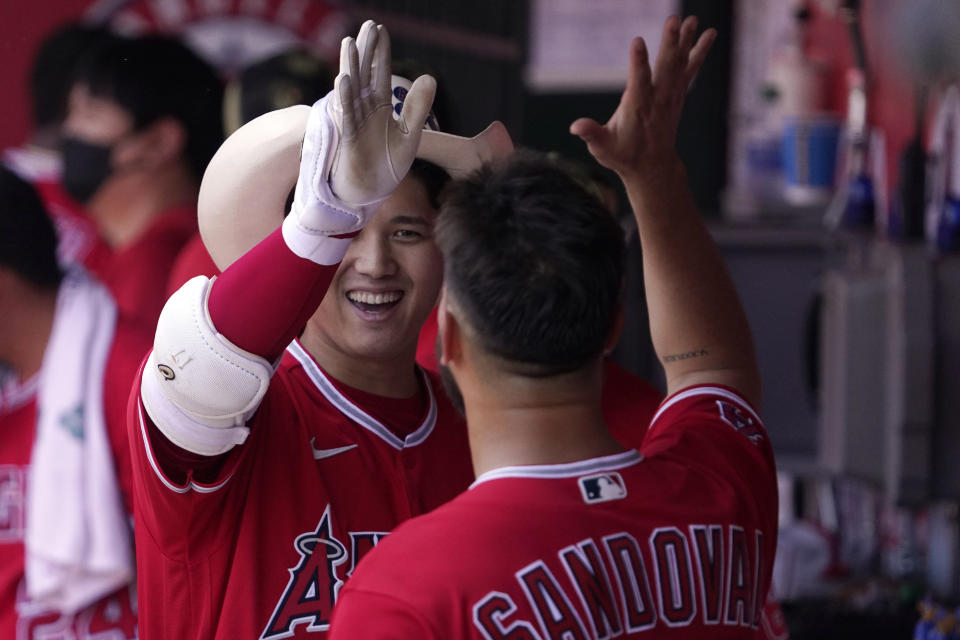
(355, 152)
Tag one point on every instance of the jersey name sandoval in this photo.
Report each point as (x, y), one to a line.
(625, 584)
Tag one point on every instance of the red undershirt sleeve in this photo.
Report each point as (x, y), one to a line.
(262, 301)
(178, 463)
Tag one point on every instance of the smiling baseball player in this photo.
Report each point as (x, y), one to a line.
(263, 472)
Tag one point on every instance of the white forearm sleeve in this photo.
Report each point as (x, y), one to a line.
(198, 388)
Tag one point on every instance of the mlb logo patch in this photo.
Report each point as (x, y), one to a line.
(602, 487)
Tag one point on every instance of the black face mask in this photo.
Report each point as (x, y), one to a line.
(86, 166)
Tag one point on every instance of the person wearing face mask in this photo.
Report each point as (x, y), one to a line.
(37, 160)
(143, 119)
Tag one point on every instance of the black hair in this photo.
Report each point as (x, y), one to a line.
(585, 175)
(155, 76)
(53, 67)
(433, 177)
(28, 241)
(533, 262)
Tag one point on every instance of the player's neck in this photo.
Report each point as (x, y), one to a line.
(129, 203)
(393, 377)
(26, 329)
(506, 437)
(528, 421)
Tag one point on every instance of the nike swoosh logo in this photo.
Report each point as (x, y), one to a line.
(320, 454)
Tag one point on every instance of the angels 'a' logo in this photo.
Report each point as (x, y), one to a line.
(740, 420)
(314, 583)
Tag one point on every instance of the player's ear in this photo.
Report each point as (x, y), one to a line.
(616, 329)
(448, 331)
(158, 144)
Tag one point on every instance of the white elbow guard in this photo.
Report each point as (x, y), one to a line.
(198, 388)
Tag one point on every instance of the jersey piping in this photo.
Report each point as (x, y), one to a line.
(345, 406)
(700, 391)
(199, 488)
(565, 470)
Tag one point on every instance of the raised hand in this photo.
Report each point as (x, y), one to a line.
(697, 325)
(354, 152)
(376, 149)
(641, 133)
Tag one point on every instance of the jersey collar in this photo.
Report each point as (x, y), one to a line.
(347, 407)
(565, 470)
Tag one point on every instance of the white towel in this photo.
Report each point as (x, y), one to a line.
(78, 546)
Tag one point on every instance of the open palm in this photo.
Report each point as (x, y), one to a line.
(376, 149)
(642, 131)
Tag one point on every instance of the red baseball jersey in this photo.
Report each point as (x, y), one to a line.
(262, 549)
(676, 539)
(193, 260)
(629, 403)
(137, 274)
(114, 616)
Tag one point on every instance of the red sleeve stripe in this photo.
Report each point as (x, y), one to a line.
(611, 462)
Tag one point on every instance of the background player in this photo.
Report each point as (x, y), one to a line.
(564, 534)
(143, 120)
(38, 159)
(281, 80)
(66, 559)
(259, 488)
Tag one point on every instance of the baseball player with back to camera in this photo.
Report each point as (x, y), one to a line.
(565, 534)
(263, 472)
